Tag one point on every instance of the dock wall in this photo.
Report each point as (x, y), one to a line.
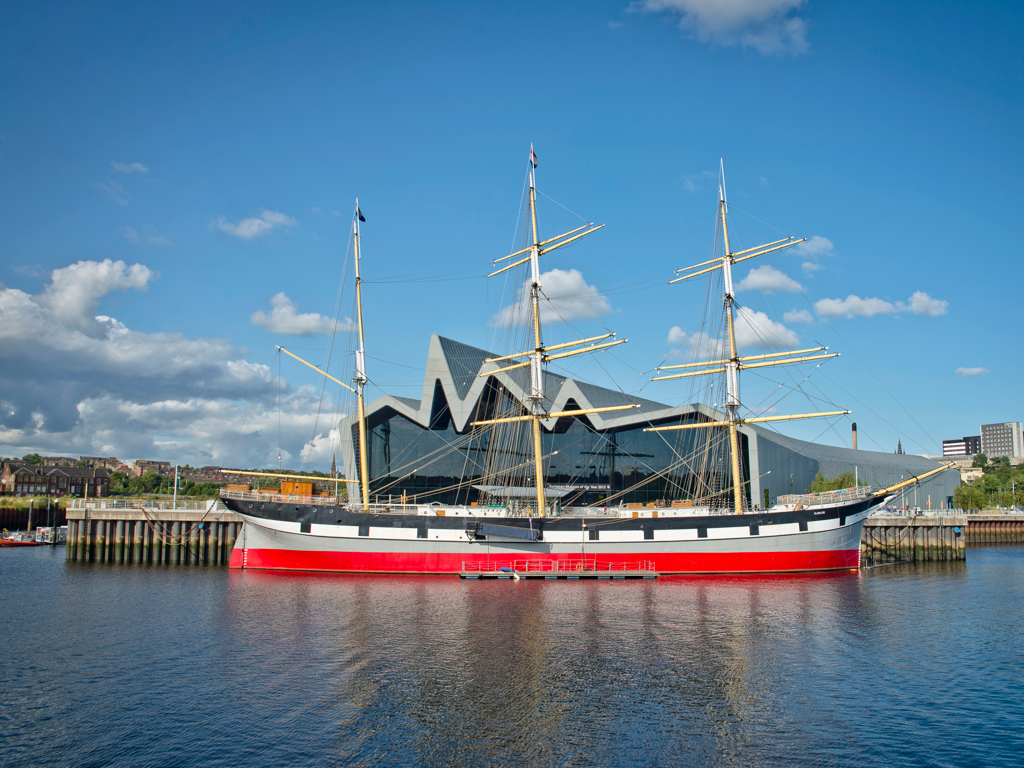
(920, 538)
(153, 537)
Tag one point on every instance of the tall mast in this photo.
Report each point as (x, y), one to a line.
(734, 364)
(732, 368)
(536, 357)
(360, 375)
(536, 396)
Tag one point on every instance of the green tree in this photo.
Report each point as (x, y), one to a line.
(980, 461)
(118, 482)
(32, 458)
(821, 484)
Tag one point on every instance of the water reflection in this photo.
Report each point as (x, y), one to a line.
(166, 666)
(434, 671)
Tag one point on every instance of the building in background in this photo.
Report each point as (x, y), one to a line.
(1002, 439)
(142, 466)
(965, 446)
(20, 479)
(587, 458)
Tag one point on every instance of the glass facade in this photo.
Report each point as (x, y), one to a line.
(442, 465)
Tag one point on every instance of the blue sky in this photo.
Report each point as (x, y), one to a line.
(208, 147)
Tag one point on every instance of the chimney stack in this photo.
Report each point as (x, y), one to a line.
(855, 435)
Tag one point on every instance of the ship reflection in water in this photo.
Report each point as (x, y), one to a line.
(908, 665)
(434, 671)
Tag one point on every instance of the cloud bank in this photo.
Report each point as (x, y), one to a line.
(76, 382)
(971, 371)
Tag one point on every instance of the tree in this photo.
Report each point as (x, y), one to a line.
(820, 484)
(32, 458)
(980, 461)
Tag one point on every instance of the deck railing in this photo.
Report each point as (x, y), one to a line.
(181, 506)
(827, 497)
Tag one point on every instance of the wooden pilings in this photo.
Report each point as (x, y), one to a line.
(151, 537)
(919, 538)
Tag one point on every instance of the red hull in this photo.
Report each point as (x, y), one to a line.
(681, 562)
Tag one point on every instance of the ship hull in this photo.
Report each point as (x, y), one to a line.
(791, 542)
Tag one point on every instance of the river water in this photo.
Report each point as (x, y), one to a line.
(156, 666)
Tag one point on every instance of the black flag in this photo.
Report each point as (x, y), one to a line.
(360, 214)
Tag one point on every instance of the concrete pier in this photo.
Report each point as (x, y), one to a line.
(919, 538)
(122, 534)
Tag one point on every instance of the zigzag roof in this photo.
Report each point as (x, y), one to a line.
(453, 380)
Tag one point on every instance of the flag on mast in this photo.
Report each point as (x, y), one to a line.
(360, 213)
(533, 157)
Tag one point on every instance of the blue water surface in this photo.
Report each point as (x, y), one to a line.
(161, 666)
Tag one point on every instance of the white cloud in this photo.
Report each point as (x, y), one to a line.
(74, 292)
(814, 246)
(810, 267)
(316, 210)
(77, 384)
(920, 303)
(335, 213)
(614, 25)
(971, 371)
(799, 316)
(114, 191)
(767, 279)
(923, 304)
(565, 297)
(145, 238)
(753, 330)
(756, 329)
(767, 26)
(247, 229)
(764, 182)
(853, 306)
(129, 167)
(285, 319)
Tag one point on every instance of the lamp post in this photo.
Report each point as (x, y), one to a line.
(175, 502)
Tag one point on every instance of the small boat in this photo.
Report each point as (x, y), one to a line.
(16, 540)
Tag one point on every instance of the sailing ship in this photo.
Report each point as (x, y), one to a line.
(523, 526)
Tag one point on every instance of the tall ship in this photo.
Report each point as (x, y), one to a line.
(501, 418)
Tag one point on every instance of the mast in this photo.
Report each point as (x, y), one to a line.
(541, 354)
(536, 397)
(734, 364)
(732, 370)
(360, 375)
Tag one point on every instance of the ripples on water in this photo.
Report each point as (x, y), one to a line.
(898, 666)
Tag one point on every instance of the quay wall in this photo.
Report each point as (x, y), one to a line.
(1007, 528)
(153, 537)
(920, 538)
